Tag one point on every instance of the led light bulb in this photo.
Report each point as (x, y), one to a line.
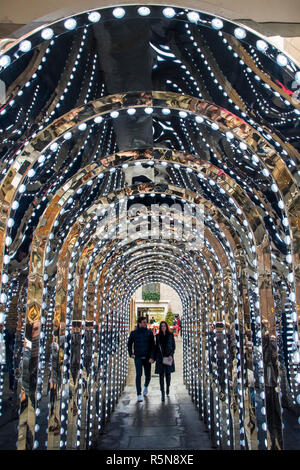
(182, 114)
(67, 135)
(54, 146)
(266, 172)
(47, 33)
(70, 24)
(282, 60)
(5, 60)
(10, 222)
(285, 221)
(261, 45)
(193, 16)
(169, 12)
(94, 16)
(25, 46)
(217, 23)
(119, 13)
(144, 11)
(240, 33)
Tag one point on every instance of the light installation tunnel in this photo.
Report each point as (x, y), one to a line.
(118, 123)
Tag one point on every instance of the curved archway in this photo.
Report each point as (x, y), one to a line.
(113, 117)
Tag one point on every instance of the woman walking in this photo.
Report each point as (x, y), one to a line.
(164, 355)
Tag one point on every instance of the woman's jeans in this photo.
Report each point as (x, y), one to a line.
(139, 364)
(164, 373)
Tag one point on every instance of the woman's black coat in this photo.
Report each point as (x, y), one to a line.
(170, 349)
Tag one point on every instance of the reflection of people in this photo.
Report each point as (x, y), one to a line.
(56, 377)
(75, 361)
(18, 350)
(2, 346)
(54, 424)
(7, 338)
(88, 352)
(164, 347)
(212, 364)
(30, 359)
(29, 382)
(221, 354)
(143, 341)
(179, 325)
(271, 378)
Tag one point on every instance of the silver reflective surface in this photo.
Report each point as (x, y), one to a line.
(149, 111)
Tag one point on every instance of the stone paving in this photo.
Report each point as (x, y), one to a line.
(153, 424)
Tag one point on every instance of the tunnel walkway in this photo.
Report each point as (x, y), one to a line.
(155, 425)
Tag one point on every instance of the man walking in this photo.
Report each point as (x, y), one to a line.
(143, 356)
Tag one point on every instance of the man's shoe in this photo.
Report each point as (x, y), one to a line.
(162, 396)
(168, 391)
(145, 392)
(140, 398)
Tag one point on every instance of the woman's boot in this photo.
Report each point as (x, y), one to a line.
(168, 380)
(162, 386)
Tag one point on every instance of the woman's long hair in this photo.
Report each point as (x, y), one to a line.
(160, 329)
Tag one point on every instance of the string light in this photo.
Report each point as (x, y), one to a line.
(250, 194)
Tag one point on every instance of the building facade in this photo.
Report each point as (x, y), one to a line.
(168, 301)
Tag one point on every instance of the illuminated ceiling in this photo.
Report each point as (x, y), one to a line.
(154, 104)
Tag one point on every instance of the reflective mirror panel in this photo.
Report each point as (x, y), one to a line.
(148, 145)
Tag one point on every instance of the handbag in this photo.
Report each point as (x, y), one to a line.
(166, 360)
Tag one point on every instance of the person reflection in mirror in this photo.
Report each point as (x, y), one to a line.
(88, 343)
(30, 359)
(143, 341)
(7, 340)
(29, 381)
(36, 329)
(221, 354)
(55, 381)
(212, 377)
(249, 388)
(87, 357)
(271, 382)
(164, 347)
(75, 362)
